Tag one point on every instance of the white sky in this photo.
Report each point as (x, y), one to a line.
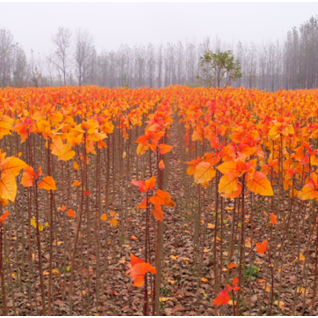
(112, 24)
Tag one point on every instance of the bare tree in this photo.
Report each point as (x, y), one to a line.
(60, 56)
(6, 51)
(83, 54)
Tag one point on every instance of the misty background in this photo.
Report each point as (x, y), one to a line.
(156, 44)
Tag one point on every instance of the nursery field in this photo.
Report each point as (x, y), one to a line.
(175, 201)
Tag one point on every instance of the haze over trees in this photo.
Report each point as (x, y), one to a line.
(291, 63)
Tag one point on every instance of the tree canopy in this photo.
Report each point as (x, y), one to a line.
(218, 68)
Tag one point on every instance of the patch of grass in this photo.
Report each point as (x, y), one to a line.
(165, 292)
(251, 271)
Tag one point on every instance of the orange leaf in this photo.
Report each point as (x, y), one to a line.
(4, 216)
(113, 222)
(308, 192)
(75, 183)
(103, 217)
(158, 213)
(144, 186)
(261, 247)
(143, 204)
(222, 299)
(229, 166)
(47, 183)
(39, 173)
(164, 148)
(112, 213)
(71, 213)
(139, 269)
(161, 198)
(150, 183)
(258, 183)
(76, 166)
(135, 260)
(28, 177)
(273, 218)
(140, 184)
(161, 164)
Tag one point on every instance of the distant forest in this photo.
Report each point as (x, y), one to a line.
(291, 63)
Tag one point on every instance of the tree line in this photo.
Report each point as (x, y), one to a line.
(291, 63)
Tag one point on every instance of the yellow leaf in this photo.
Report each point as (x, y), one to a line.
(60, 243)
(4, 202)
(57, 146)
(113, 222)
(124, 154)
(12, 166)
(229, 185)
(301, 257)
(228, 166)
(40, 227)
(204, 172)
(46, 224)
(66, 153)
(8, 187)
(231, 302)
(163, 299)
(280, 304)
(205, 280)
(174, 257)
(141, 149)
(32, 222)
(268, 289)
(206, 250)
(301, 290)
(103, 217)
(218, 239)
(211, 226)
(96, 136)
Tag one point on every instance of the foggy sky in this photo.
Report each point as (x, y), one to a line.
(112, 24)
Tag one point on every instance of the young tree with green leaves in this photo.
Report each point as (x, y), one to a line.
(219, 67)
